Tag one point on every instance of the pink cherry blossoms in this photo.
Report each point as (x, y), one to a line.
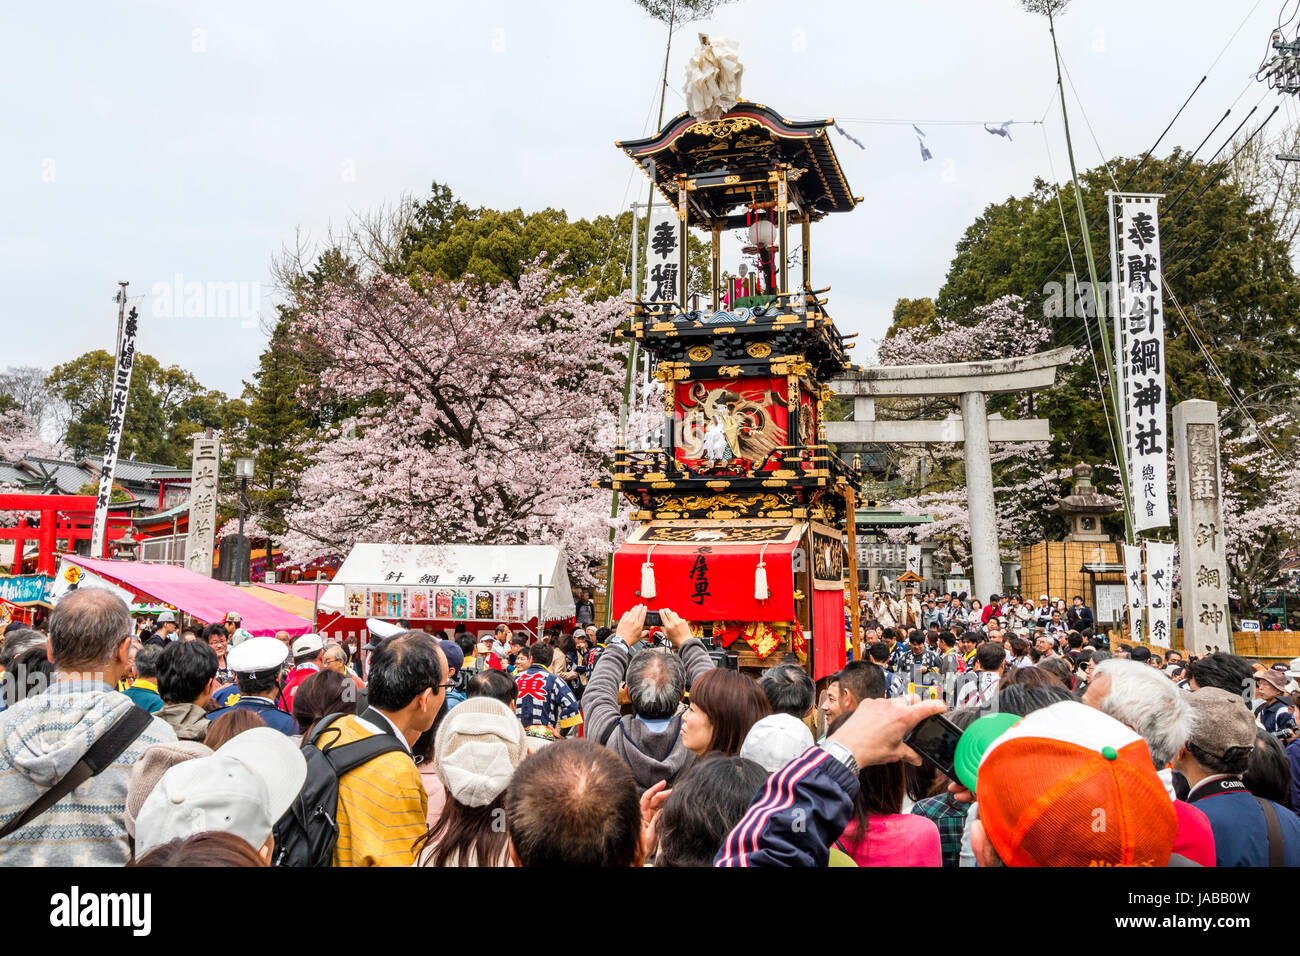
(488, 414)
(1023, 480)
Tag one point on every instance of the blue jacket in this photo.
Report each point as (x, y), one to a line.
(1293, 758)
(272, 715)
(145, 699)
(1240, 830)
(794, 820)
(1275, 716)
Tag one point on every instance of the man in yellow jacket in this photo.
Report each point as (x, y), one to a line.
(382, 803)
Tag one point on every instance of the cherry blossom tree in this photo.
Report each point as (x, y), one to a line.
(1000, 329)
(1261, 502)
(486, 414)
(1024, 478)
(19, 437)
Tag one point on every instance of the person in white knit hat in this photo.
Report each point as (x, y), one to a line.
(479, 746)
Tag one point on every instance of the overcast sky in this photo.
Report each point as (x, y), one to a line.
(155, 140)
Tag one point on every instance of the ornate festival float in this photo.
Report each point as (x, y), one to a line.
(744, 511)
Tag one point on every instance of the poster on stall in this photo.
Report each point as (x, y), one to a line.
(442, 605)
(460, 606)
(357, 600)
(417, 603)
(513, 605)
(484, 606)
(394, 604)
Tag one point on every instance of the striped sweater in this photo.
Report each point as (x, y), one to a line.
(41, 739)
(382, 805)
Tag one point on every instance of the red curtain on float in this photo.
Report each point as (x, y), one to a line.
(708, 582)
(828, 633)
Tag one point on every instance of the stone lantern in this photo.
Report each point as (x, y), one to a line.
(1084, 508)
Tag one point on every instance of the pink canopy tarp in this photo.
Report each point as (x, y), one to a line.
(205, 598)
(306, 591)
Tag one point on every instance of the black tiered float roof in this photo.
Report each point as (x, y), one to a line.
(738, 152)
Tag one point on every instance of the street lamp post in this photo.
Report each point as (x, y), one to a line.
(243, 471)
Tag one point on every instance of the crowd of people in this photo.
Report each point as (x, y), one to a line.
(633, 747)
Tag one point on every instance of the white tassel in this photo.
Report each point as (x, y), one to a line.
(648, 576)
(761, 592)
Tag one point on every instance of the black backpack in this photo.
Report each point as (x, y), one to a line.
(308, 831)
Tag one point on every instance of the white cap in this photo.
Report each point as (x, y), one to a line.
(166, 617)
(257, 654)
(307, 644)
(381, 628)
(243, 789)
(776, 740)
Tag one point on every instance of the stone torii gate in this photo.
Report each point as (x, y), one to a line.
(972, 383)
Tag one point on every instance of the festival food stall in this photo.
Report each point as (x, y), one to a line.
(439, 586)
(203, 598)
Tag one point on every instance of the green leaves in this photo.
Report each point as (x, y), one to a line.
(165, 406)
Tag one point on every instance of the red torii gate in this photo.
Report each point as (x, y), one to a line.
(67, 518)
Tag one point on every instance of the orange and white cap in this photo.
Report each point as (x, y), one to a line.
(1071, 786)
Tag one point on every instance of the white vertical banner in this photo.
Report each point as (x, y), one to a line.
(914, 559)
(121, 387)
(1139, 324)
(1160, 581)
(1134, 590)
(660, 278)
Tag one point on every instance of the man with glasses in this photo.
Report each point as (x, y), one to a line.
(336, 659)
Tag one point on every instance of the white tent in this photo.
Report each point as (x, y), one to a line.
(421, 577)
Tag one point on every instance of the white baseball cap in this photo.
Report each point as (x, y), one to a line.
(242, 789)
(382, 629)
(307, 644)
(776, 740)
(257, 654)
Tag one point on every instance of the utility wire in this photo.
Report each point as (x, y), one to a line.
(1150, 152)
(1087, 326)
(934, 122)
(1209, 358)
(1200, 344)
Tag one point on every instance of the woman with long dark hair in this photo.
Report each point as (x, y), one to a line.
(724, 704)
(477, 749)
(702, 808)
(880, 833)
(323, 693)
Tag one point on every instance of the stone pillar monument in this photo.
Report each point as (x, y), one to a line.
(985, 556)
(204, 466)
(1201, 544)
